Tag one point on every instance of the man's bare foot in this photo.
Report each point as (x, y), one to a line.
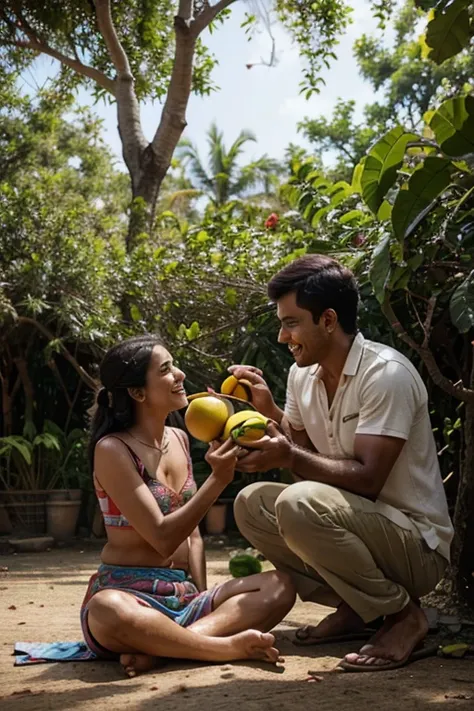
(345, 621)
(399, 636)
(134, 664)
(255, 645)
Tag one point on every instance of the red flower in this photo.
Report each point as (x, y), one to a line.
(271, 221)
(359, 240)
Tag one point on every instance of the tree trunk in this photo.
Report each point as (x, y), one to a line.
(145, 193)
(155, 158)
(28, 388)
(6, 406)
(462, 557)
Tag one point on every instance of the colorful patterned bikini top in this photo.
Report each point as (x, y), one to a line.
(167, 499)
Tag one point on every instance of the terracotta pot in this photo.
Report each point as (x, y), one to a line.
(62, 519)
(65, 495)
(216, 518)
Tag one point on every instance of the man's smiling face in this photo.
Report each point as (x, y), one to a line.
(308, 342)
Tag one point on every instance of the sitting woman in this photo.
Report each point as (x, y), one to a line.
(149, 598)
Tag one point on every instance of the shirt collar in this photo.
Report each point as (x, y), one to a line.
(351, 366)
(354, 356)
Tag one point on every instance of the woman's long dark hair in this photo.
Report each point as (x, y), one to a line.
(124, 366)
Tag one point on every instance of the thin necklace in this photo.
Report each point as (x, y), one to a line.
(162, 449)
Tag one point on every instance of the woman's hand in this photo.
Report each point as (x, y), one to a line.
(222, 458)
(262, 398)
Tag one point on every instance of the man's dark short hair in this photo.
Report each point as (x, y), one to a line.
(319, 283)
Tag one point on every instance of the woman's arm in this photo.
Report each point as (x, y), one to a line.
(197, 560)
(117, 475)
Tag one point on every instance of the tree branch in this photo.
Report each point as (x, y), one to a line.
(428, 320)
(173, 116)
(133, 140)
(456, 390)
(208, 15)
(55, 370)
(232, 324)
(76, 65)
(107, 30)
(38, 44)
(84, 375)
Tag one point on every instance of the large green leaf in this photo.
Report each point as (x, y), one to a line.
(462, 305)
(381, 165)
(357, 175)
(448, 32)
(453, 126)
(423, 190)
(380, 268)
(19, 443)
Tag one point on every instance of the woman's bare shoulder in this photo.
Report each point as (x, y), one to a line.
(111, 444)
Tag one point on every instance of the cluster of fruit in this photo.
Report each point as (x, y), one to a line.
(212, 416)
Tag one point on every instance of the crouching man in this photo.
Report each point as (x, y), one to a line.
(365, 527)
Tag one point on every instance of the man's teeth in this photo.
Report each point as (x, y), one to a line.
(294, 348)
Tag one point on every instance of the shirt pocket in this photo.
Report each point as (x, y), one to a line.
(349, 421)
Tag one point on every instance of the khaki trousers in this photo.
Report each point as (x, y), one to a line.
(339, 546)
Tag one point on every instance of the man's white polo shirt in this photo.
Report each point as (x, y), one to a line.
(380, 393)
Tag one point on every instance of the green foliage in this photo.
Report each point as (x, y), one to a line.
(379, 271)
(341, 133)
(381, 166)
(453, 126)
(43, 460)
(462, 305)
(448, 31)
(225, 178)
(421, 194)
(315, 26)
(145, 28)
(407, 85)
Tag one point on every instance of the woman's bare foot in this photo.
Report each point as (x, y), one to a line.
(251, 644)
(342, 622)
(399, 636)
(134, 664)
(255, 645)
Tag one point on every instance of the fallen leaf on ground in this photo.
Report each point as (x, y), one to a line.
(23, 691)
(314, 676)
(12, 607)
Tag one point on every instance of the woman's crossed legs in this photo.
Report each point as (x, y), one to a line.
(245, 610)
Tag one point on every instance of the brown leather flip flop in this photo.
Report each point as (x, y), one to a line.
(420, 653)
(303, 637)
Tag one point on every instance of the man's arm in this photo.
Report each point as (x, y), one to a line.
(365, 475)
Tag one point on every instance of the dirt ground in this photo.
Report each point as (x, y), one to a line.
(47, 588)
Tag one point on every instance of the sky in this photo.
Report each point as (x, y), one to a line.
(264, 100)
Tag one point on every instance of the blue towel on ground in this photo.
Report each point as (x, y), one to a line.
(40, 653)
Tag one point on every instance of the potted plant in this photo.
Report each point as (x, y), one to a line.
(23, 471)
(41, 476)
(67, 483)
